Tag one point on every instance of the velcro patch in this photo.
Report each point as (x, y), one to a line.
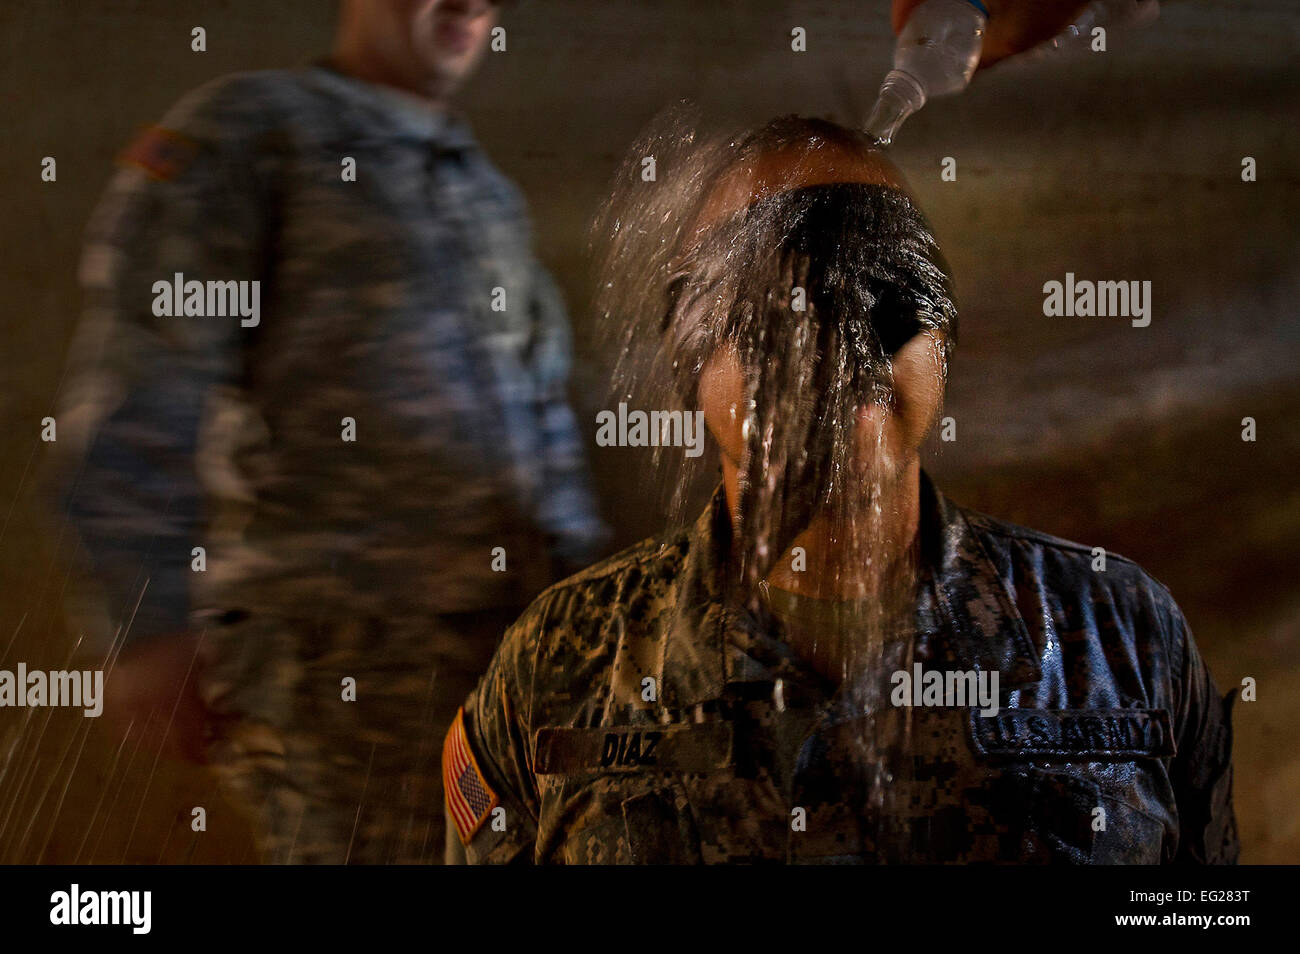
(163, 153)
(470, 798)
(704, 747)
(1075, 735)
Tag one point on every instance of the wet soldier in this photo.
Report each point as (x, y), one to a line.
(835, 663)
(318, 346)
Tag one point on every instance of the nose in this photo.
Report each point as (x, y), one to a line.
(870, 420)
(870, 429)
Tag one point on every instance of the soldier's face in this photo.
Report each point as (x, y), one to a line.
(435, 44)
(888, 434)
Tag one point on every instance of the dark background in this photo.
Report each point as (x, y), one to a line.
(1122, 165)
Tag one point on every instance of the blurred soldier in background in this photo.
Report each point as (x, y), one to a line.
(320, 392)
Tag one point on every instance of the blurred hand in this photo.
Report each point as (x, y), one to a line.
(1014, 25)
(152, 689)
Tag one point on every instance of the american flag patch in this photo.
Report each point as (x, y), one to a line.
(162, 153)
(469, 797)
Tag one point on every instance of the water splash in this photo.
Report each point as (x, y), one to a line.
(778, 278)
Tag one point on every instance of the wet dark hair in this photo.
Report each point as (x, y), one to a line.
(864, 255)
(870, 272)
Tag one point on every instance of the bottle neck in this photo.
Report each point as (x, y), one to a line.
(900, 96)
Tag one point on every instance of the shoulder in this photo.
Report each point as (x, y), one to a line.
(219, 143)
(1005, 534)
(228, 124)
(237, 103)
(1068, 573)
(578, 622)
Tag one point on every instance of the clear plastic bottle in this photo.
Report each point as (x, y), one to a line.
(936, 55)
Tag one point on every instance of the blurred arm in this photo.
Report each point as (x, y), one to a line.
(568, 507)
(1202, 772)
(184, 202)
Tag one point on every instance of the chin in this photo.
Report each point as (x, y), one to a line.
(882, 474)
(435, 82)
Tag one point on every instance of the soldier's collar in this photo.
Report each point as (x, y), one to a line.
(398, 113)
(696, 643)
(971, 596)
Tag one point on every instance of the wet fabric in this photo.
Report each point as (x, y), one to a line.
(1111, 744)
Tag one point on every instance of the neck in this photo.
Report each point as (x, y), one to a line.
(358, 61)
(848, 562)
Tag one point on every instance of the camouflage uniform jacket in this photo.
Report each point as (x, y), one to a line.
(1105, 701)
(404, 298)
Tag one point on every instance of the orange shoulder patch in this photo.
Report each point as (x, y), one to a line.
(163, 153)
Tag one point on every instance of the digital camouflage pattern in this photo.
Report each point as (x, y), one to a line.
(376, 305)
(1106, 704)
(325, 558)
(328, 781)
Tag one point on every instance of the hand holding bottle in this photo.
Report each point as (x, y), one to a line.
(941, 43)
(1013, 25)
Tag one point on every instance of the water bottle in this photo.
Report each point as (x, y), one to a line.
(936, 55)
(940, 46)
